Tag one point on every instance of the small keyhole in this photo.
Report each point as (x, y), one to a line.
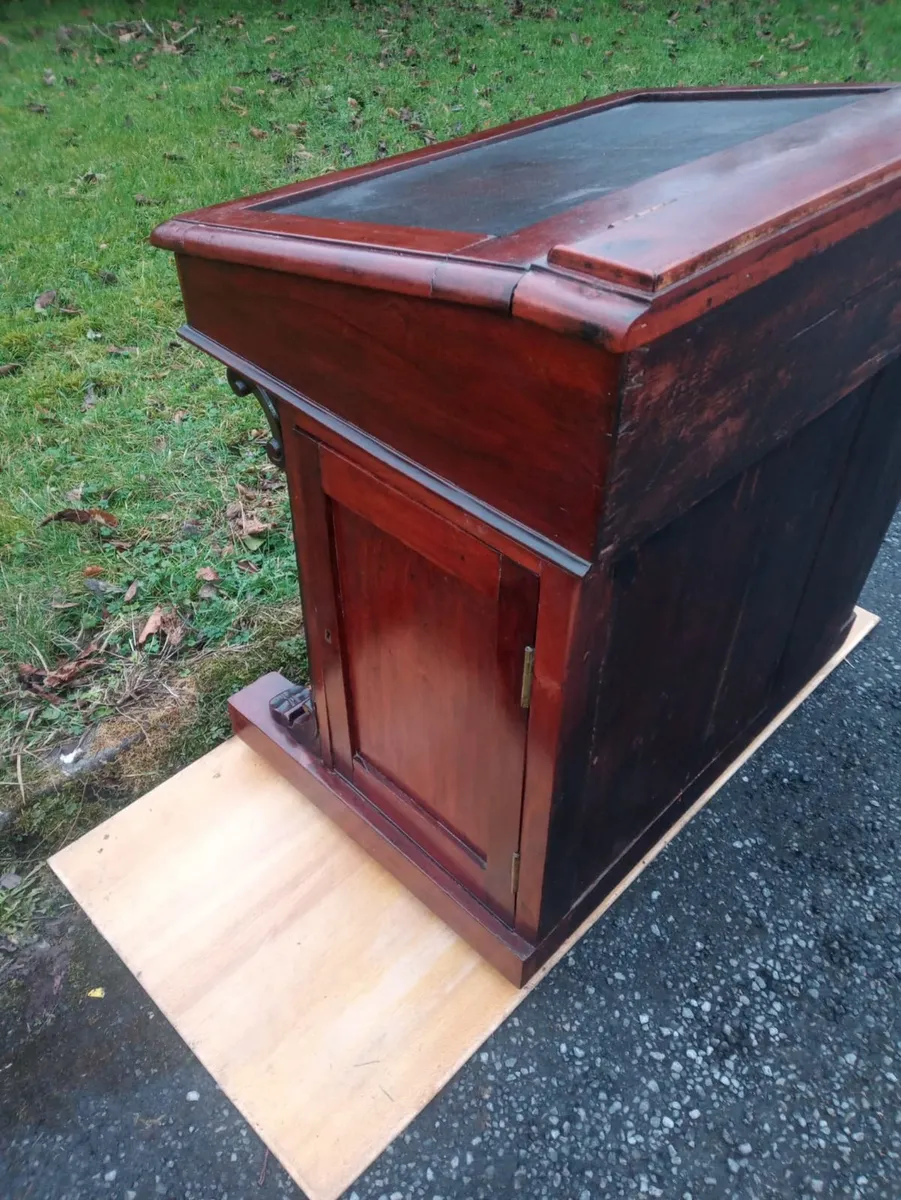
(328, 636)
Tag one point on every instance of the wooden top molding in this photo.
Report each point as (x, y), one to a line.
(672, 226)
(621, 268)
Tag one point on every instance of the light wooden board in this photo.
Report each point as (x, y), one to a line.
(327, 1003)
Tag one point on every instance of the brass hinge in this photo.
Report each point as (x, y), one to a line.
(514, 873)
(528, 669)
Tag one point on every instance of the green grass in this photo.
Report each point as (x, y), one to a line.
(248, 103)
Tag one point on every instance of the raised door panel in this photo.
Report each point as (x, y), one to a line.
(431, 629)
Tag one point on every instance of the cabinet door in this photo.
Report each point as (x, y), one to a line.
(425, 635)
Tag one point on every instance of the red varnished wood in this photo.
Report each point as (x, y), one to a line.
(446, 546)
(572, 618)
(665, 229)
(490, 525)
(799, 173)
(519, 416)
(422, 602)
(310, 520)
(662, 454)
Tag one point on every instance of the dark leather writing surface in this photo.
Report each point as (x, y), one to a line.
(505, 185)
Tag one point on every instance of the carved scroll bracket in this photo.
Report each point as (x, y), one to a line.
(275, 447)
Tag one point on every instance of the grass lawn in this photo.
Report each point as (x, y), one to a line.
(113, 117)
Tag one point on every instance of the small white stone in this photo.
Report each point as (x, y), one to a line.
(110, 1176)
(193, 1096)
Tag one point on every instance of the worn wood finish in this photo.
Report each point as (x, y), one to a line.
(588, 495)
(808, 337)
(864, 504)
(701, 617)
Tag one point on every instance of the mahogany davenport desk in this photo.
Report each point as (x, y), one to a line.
(592, 429)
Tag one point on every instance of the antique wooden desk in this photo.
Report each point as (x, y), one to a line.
(592, 428)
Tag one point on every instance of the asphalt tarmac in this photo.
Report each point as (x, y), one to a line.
(729, 1029)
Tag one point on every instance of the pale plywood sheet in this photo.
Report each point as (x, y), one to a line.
(327, 1002)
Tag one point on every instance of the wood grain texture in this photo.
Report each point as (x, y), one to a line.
(432, 630)
(701, 617)
(704, 402)
(517, 416)
(327, 1002)
(651, 443)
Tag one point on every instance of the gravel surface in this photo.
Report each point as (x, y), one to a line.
(729, 1029)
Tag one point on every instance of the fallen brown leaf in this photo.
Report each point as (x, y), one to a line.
(37, 108)
(209, 574)
(9, 369)
(259, 134)
(45, 300)
(800, 45)
(38, 678)
(83, 516)
(207, 592)
(246, 565)
(166, 622)
(152, 625)
(130, 592)
(93, 571)
(143, 201)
